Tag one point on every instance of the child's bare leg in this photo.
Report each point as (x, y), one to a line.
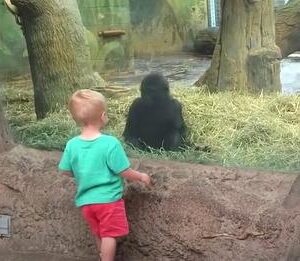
(98, 242)
(108, 248)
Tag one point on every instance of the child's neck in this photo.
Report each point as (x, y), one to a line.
(90, 132)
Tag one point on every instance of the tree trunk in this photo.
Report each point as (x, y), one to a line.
(288, 27)
(58, 53)
(287, 31)
(5, 140)
(245, 57)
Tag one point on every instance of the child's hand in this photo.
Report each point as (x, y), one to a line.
(134, 175)
(146, 179)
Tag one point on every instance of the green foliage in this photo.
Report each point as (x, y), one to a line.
(242, 130)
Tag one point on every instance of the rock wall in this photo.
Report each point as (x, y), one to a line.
(193, 212)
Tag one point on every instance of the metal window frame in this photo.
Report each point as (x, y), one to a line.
(5, 225)
(213, 12)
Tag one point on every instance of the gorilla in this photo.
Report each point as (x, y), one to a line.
(155, 119)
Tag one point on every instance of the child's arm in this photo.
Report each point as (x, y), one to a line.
(66, 173)
(134, 175)
(64, 166)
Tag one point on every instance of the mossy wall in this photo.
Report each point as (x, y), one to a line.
(108, 53)
(165, 26)
(151, 27)
(13, 53)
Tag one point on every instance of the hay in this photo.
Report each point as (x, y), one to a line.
(242, 130)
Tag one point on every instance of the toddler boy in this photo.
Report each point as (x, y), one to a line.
(98, 163)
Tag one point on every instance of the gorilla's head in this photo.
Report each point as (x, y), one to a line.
(155, 85)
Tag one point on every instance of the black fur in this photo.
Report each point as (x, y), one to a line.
(155, 119)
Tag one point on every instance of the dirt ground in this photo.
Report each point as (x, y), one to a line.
(194, 212)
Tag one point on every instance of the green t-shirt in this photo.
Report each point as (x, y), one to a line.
(96, 165)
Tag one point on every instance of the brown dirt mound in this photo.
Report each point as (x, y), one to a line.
(193, 212)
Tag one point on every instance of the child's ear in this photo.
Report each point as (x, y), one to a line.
(104, 117)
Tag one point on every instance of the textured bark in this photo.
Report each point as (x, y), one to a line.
(287, 31)
(245, 57)
(5, 139)
(288, 27)
(57, 49)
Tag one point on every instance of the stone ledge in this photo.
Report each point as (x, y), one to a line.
(194, 212)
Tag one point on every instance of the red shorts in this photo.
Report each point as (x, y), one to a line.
(107, 219)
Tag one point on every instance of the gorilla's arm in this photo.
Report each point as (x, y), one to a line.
(176, 136)
(131, 130)
(180, 124)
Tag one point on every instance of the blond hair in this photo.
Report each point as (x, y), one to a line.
(86, 106)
